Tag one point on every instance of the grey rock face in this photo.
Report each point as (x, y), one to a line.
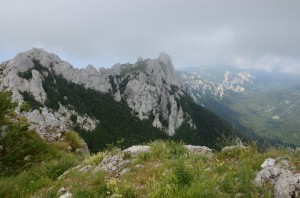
(111, 164)
(153, 92)
(45, 119)
(286, 183)
(268, 162)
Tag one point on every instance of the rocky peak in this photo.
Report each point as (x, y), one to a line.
(165, 59)
(162, 70)
(152, 91)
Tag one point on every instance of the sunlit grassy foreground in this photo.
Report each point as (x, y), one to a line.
(167, 170)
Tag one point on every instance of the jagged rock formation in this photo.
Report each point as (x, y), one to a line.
(149, 87)
(152, 90)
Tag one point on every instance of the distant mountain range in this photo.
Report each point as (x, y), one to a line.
(263, 105)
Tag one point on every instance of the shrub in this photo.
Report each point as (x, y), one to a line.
(29, 98)
(55, 168)
(25, 107)
(26, 74)
(95, 159)
(6, 104)
(73, 118)
(182, 174)
(74, 140)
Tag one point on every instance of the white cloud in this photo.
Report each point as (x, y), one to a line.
(195, 32)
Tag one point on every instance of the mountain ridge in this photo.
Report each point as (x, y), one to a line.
(59, 94)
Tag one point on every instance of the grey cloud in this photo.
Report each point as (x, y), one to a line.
(194, 32)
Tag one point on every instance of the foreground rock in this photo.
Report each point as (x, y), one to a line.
(203, 150)
(64, 193)
(278, 173)
(238, 144)
(133, 150)
(111, 164)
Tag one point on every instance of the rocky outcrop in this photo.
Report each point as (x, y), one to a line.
(149, 87)
(45, 119)
(111, 164)
(64, 193)
(279, 174)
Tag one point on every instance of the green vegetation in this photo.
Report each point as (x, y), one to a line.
(6, 104)
(208, 126)
(167, 170)
(73, 118)
(27, 74)
(28, 163)
(31, 102)
(254, 113)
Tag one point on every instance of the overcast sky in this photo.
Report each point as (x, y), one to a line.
(262, 34)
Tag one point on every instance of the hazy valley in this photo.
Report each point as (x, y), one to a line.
(261, 104)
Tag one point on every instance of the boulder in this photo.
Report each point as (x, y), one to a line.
(238, 144)
(288, 185)
(268, 162)
(133, 150)
(278, 172)
(64, 193)
(111, 164)
(199, 149)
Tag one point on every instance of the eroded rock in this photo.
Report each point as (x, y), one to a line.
(278, 173)
(111, 164)
(268, 162)
(64, 193)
